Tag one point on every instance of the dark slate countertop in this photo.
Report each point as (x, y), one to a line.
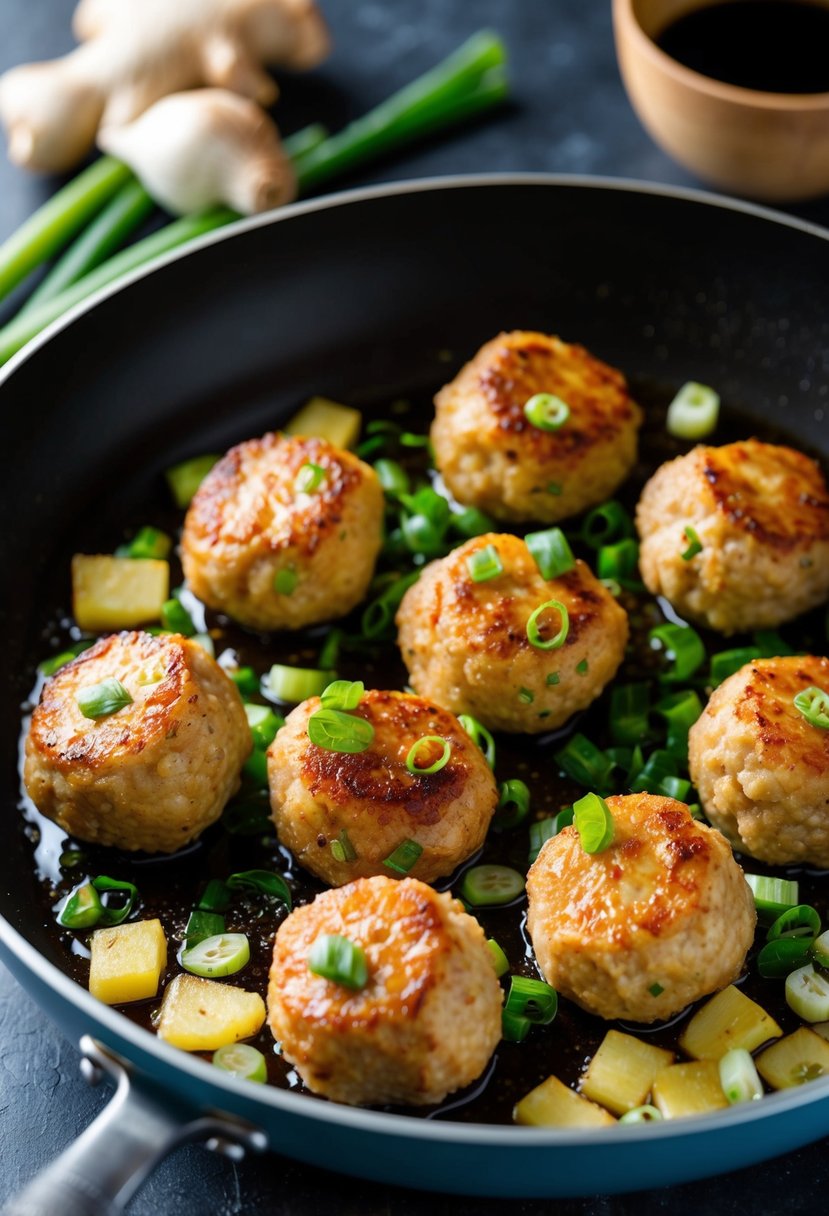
(569, 114)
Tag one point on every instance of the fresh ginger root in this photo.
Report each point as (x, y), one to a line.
(202, 147)
(134, 52)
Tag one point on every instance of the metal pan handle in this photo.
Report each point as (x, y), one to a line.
(100, 1172)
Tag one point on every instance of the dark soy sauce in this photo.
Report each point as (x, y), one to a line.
(777, 46)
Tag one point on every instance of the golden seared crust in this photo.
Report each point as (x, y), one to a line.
(248, 522)
(317, 794)
(429, 1017)
(465, 644)
(665, 905)
(492, 457)
(761, 769)
(761, 512)
(153, 775)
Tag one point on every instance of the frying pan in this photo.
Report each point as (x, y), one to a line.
(356, 297)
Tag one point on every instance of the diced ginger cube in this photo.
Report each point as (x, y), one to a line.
(553, 1104)
(688, 1089)
(201, 1015)
(117, 592)
(127, 961)
(730, 1019)
(324, 419)
(799, 1057)
(621, 1073)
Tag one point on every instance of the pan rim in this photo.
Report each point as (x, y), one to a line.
(371, 1121)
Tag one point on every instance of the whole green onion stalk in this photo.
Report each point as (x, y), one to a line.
(468, 82)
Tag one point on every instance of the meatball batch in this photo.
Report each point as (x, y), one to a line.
(137, 743)
(283, 533)
(343, 815)
(761, 764)
(661, 917)
(427, 1019)
(564, 452)
(517, 651)
(736, 537)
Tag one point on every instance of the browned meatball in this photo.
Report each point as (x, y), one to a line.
(761, 769)
(275, 555)
(429, 1017)
(657, 920)
(493, 458)
(157, 772)
(761, 513)
(317, 795)
(465, 643)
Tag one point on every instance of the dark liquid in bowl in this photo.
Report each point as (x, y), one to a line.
(777, 46)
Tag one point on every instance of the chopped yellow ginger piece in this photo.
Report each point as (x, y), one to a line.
(688, 1089)
(111, 593)
(324, 419)
(127, 961)
(553, 1104)
(621, 1073)
(729, 1019)
(201, 1015)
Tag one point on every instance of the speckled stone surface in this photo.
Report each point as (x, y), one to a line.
(569, 115)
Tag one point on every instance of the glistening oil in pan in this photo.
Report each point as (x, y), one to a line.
(244, 838)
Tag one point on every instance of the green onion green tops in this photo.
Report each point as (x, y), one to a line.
(586, 763)
(148, 542)
(185, 478)
(479, 734)
(309, 478)
(694, 543)
(340, 960)
(800, 921)
(266, 882)
(85, 907)
(547, 412)
(605, 524)
(813, 703)
(343, 694)
(594, 823)
(513, 803)
(392, 477)
(684, 646)
(339, 732)
(342, 849)
(263, 723)
(551, 552)
(782, 956)
(694, 412)
(500, 962)
(726, 662)
(242, 1060)
(534, 625)
(285, 581)
(176, 618)
(224, 954)
(772, 896)
(81, 909)
(423, 749)
(532, 999)
(296, 683)
(101, 700)
(484, 564)
(491, 885)
(403, 859)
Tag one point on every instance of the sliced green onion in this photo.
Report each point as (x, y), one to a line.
(555, 488)
(807, 994)
(421, 535)
(534, 632)
(242, 1060)
(82, 907)
(513, 804)
(404, 857)
(680, 710)
(393, 477)
(224, 954)
(684, 646)
(594, 823)
(484, 564)
(771, 645)
(201, 925)
(336, 731)
(726, 662)
(340, 960)
(820, 950)
(342, 849)
(500, 962)
(378, 617)
(582, 668)
(215, 897)
(694, 412)
(101, 700)
(330, 652)
(246, 680)
(263, 881)
(585, 763)
(255, 768)
(114, 912)
(552, 679)
(694, 543)
(479, 734)
(296, 683)
(551, 552)
(674, 787)
(540, 832)
(800, 921)
(813, 703)
(176, 618)
(642, 1114)
(531, 999)
(343, 694)
(772, 896)
(605, 524)
(185, 478)
(514, 1029)
(147, 543)
(526, 696)
(783, 956)
(546, 411)
(471, 522)
(628, 715)
(49, 666)
(656, 989)
(263, 723)
(410, 440)
(490, 885)
(660, 765)
(309, 478)
(285, 581)
(428, 743)
(618, 561)
(739, 1078)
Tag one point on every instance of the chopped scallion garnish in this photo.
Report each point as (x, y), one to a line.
(185, 478)
(471, 522)
(534, 627)
(393, 477)
(605, 524)
(102, 700)
(585, 762)
(215, 897)
(285, 581)
(342, 849)
(726, 662)
(684, 646)
(680, 710)
(201, 925)
(147, 543)
(642, 1114)
(404, 857)
(176, 618)
(309, 478)
(694, 412)
(340, 960)
(296, 683)
(813, 704)
(53, 664)
(593, 822)
(694, 543)
(531, 999)
(526, 696)
(619, 560)
(263, 881)
(336, 731)
(546, 411)
(479, 734)
(343, 694)
(778, 958)
(514, 1029)
(491, 885)
(739, 1078)
(484, 564)
(378, 617)
(628, 715)
(82, 907)
(428, 744)
(807, 994)
(114, 911)
(513, 803)
(242, 1060)
(223, 954)
(500, 962)
(551, 552)
(246, 680)
(800, 921)
(263, 723)
(772, 896)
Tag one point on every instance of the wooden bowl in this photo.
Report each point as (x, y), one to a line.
(773, 147)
